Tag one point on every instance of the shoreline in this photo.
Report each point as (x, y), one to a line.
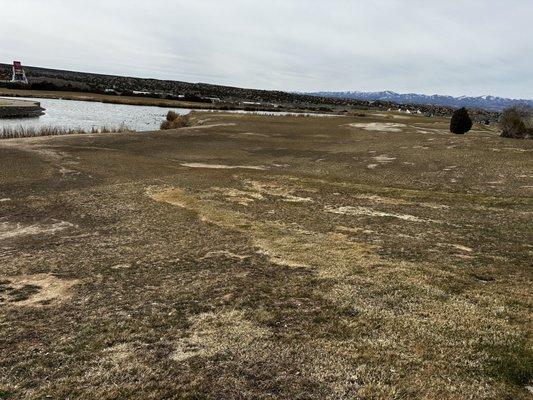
(10, 108)
(143, 101)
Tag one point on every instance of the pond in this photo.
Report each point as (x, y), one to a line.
(86, 115)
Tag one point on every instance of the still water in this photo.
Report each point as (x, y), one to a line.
(87, 115)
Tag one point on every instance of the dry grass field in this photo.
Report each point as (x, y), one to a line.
(257, 257)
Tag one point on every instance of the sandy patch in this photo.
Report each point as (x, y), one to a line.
(390, 116)
(34, 290)
(121, 266)
(227, 332)
(222, 166)
(451, 168)
(271, 189)
(384, 159)
(381, 200)
(224, 253)
(211, 126)
(380, 126)
(119, 353)
(365, 211)
(65, 171)
(347, 229)
(242, 197)
(462, 248)
(332, 254)
(252, 134)
(515, 149)
(393, 201)
(10, 230)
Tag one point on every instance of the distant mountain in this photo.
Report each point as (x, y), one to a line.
(490, 103)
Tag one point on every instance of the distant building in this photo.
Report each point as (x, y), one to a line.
(19, 76)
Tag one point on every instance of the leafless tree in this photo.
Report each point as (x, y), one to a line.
(517, 122)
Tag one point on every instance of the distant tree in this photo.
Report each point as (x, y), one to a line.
(461, 122)
(517, 122)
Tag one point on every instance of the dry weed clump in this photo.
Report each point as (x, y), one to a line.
(25, 131)
(517, 123)
(175, 121)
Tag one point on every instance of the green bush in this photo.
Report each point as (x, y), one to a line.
(461, 122)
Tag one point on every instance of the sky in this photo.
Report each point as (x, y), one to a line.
(454, 47)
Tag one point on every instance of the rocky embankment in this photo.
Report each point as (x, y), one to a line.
(20, 108)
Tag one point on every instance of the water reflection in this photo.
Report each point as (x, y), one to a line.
(87, 115)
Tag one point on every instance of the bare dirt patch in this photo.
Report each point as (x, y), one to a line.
(208, 126)
(365, 211)
(228, 333)
(384, 159)
(35, 290)
(9, 229)
(332, 254)
(222, 166)
(272, 189)
(379, 126)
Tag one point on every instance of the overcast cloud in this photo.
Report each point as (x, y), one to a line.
(457, 47)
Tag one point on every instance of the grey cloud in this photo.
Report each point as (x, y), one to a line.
(455, 47)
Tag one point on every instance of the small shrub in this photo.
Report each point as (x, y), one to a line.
(517, 123)
(165, 125)
(172, 116)
(461, 122)
(175, 121)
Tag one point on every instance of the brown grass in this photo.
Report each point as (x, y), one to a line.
(517, 123)
(312, 277)
(175, 121)
(25, 132)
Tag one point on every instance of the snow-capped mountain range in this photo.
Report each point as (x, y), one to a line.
(491, 103)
